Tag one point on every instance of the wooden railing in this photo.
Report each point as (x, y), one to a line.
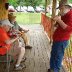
(67, 61)
(46, 22)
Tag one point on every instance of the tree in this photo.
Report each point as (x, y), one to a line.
(13, 2)
(70, 1)
(33, 3)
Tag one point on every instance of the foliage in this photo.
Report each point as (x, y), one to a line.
(13, 2)
(48, 2)
(70, 1)
(33, 3)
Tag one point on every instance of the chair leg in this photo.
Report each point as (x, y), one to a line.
(8, 63)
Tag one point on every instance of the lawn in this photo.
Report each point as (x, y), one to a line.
(28, 18)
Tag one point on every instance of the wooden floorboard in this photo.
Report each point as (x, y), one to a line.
(37, 57)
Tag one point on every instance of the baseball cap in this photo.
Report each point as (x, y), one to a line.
(61, 3)
(6, 22)
(11, 16)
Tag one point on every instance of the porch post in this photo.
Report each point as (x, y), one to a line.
(45, 6)
(53, 22)
(3, 11)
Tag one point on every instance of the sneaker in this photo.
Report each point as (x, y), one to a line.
(26, 31)
(28, 47)
(49, 70)
(20, 67)
(24, 59)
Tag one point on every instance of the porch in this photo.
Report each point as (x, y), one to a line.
(37, 57)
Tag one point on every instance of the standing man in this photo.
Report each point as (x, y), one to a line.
(61, 37)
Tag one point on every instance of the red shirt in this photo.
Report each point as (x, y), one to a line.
(3, 38)
(61, 34)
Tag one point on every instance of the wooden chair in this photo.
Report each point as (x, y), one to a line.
(6, 59)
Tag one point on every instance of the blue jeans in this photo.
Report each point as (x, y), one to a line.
(57, 54)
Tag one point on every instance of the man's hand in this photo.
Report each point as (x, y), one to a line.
(25, 31)
(18, 37)
(57, 18)
(60, 22)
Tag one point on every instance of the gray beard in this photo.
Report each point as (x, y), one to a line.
(12, 22)
(62, 14)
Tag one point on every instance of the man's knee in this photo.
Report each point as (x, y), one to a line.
(22, 49)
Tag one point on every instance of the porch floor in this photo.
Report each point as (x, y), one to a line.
(38, 56)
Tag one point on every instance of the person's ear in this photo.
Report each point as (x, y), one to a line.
(6, 6)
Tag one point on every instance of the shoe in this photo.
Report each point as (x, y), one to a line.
(20, 67)
(49, 70)
(28, 47)
(24, 59)
(26, 31)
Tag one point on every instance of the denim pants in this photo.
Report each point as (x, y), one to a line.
(57, 54)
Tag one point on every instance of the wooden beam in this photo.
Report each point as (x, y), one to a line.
(54, 8)
(3, 11)
(53, 22)
(45, 6)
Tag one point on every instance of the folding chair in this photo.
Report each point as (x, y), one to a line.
(6, 59)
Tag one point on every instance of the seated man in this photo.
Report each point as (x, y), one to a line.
(11, 18)
(6, 41)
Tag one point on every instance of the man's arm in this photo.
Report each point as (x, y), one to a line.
(60, 22)
(11, 40)
(67, 26)
(21, 29)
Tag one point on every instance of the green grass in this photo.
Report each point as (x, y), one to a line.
(48, 14)
(28, 18)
